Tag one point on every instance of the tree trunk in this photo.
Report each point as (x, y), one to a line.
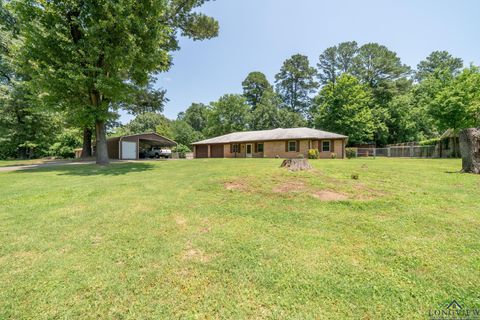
(101, 150)
(470, 150)
(296, 164)
(87, 143)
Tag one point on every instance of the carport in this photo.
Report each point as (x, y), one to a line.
(129, 147)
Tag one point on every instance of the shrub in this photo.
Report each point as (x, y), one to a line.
(182, 150)
(313, 154)
(430, 142)
(350, 153)
(333, 155)
(65, 144)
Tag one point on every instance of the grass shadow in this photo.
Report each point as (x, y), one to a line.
(114, 169)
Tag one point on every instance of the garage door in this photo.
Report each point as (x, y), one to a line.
(201, 152)
(216, 151)
(129, 150)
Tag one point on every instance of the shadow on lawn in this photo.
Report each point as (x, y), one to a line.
(114, 169)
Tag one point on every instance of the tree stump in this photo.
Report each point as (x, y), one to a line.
(296, 164)
(470, 150)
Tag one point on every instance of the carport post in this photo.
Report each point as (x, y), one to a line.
(208, 154)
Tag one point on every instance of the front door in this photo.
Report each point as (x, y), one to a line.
(249, 150)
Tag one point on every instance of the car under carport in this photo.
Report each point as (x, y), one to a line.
(129, 147)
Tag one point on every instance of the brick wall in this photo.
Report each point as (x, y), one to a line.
(273, 149)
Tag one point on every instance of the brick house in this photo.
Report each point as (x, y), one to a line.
(282, 143)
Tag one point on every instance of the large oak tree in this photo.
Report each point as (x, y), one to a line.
(87, 56)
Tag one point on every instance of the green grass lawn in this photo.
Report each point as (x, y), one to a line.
(239, 239)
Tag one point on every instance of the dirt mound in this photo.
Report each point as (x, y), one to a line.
(287, 187)
(194, 254)
(235, 185)
(326, 195)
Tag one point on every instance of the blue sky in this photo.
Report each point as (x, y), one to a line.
(258, 35)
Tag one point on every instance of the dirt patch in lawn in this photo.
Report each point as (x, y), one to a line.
(327, 195)
(194, 254)
(180, 221)
(366, 193)
(293, 186)
(236, 185)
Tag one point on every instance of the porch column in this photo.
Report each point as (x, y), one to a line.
(208, 154)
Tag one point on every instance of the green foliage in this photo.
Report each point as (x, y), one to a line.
(429, 142)
(144, 123)
(146, 99)
(182, 150)
(336, 60)
(438, 60)
(344, 108)
(313, 154)
(269, 114)
(350, 153)
(295, 83)
(65, 144)
(254, 87)
(457, 106)
(183, 133)
(375, 64)
(408, 120)
(196, 116)
(229, 114)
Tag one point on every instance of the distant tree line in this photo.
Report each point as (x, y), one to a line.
(365, 92)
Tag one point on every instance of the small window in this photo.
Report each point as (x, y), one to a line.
(235, 148)
(260, 147)
(325, 146)
(292, 146)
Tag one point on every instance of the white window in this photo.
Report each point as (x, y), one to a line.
(325, 146)
(292, 146)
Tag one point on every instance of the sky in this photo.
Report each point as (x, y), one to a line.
(258, 35)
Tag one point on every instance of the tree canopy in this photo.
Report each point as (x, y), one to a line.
(87, 57)
(254, 86)
(296, 82)
(438, 60)
(344, 107)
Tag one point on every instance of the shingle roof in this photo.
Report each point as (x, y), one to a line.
(275, 134)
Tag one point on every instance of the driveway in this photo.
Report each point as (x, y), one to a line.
(43, 165)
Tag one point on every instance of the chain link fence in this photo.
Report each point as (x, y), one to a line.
(398, 152)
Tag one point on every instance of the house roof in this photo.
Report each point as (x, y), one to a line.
(275, 134)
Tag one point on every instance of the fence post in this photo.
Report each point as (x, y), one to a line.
(388, 152)
(356, 152)
(411, 151)
(374, 153)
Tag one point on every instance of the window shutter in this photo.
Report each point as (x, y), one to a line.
(231, 148)
(332, 145)
(286, 146)
(256, 147)
(298, 145)
(319, 145)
